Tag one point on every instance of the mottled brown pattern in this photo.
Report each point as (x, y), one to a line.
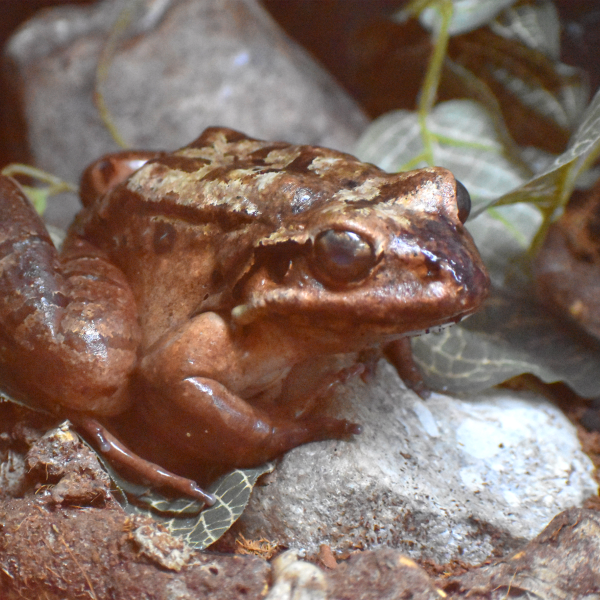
(209, 299)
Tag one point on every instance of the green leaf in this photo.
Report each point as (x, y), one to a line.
(503, 236)
(185, 517)
(535, 25)
(508, 337)
(465, 141)
(38, 196)
(553, 187)
(563, 106)
(468, 14)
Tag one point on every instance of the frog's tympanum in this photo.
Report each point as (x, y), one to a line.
(205, 301)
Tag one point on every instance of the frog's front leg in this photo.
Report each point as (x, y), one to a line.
(68, 324)
(399, 353)
(193, 388)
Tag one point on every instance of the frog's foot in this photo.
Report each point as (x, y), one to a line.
(369, 359)
(292, 434)
(118, 454)
(399, 353)
(330, 428)
(316, 428)
(330, 382)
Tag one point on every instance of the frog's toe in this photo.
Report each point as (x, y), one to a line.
(327, 428)
(121, 456)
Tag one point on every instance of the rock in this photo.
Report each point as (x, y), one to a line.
(296, 579)
(85, 545)
(562, 562)
(375, 575)
(79, 543)
(381, 575)
(441, 480)
(91, 552)
(160, 546)
(184, 66)
(70, 467)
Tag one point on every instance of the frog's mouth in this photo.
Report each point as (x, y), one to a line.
(338, 332)
(407, 308)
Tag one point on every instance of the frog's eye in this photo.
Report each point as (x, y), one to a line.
(342, 256)
(463, 201)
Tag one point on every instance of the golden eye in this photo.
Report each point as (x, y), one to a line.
(342, 256)
(463, 201)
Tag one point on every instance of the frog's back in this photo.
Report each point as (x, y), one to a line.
(227, 176)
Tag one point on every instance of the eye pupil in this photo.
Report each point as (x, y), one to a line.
(343, 247)
(342, 256)
(463, 201)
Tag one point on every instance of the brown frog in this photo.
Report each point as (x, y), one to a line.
(204, 301)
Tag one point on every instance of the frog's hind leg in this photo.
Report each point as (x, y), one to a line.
(120, 455)
(206, 420)
(68, 323)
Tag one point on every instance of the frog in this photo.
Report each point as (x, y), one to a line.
(206, 302)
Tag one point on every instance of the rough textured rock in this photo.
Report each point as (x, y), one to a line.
(562, 563)
(70, 539)
(188, 65)
(385, 574)
(83, 545)
(443, 479)
(85, 552)
(381, 575)
(59, 456)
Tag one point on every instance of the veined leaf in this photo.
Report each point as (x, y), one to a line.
(185, 517)
(503, 236)
(465, 141)
(553, 187)
(468, 14)
(536, 25)
(508, 337)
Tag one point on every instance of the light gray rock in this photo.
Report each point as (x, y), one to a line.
(181, 66)
(296, 580)
(442, 479)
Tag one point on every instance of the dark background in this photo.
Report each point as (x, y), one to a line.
(344, 35)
